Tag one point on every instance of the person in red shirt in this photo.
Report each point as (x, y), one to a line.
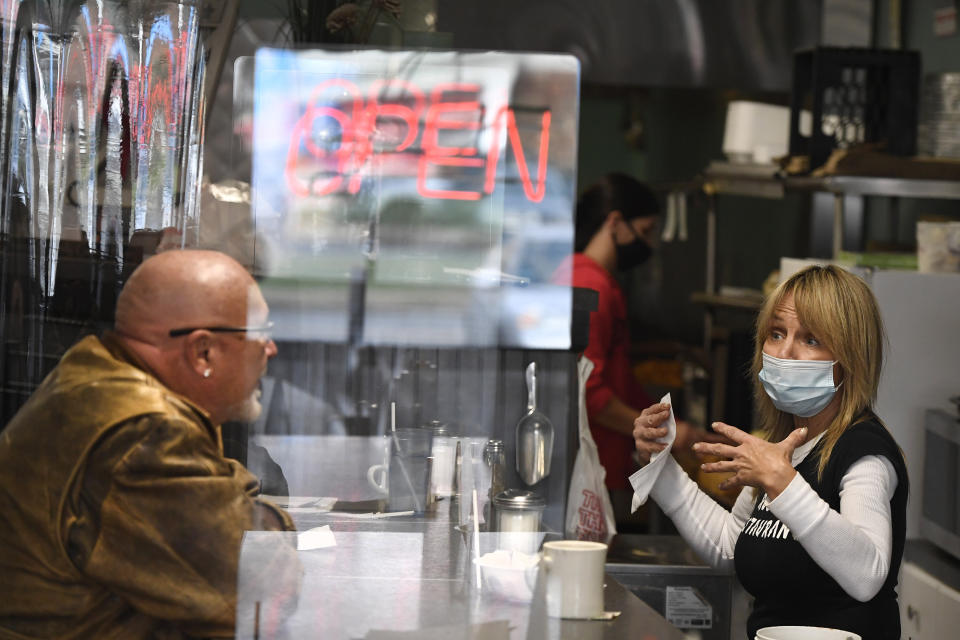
(616, 224)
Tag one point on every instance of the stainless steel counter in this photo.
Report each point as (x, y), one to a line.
(411, 577)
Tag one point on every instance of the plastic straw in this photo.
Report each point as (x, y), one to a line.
(476, 537)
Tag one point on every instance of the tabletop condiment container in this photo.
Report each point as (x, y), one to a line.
(494, 457)
(443, 450)
(518, 515)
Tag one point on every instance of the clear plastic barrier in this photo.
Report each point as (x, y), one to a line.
(388, 581)
(101, 147)
(413, 197)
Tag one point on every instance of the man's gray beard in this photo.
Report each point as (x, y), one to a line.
(248, 410)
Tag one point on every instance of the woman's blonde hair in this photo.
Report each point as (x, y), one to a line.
(840, 310)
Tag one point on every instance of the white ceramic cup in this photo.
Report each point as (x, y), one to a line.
(804, 633)
(573, 570)
(377, 477)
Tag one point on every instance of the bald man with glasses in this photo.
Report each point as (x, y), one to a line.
(123, 517)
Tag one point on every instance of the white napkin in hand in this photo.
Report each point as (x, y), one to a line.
(643, 479)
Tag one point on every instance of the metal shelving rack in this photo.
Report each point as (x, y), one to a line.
(764, 182)
(760, 181)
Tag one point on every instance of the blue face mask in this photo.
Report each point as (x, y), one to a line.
(800, 387)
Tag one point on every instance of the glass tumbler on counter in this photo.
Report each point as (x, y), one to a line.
(409, 470)
(518, 520)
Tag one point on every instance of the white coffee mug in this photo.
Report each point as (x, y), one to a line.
(804, 633)
(573, 570)
(377, 477)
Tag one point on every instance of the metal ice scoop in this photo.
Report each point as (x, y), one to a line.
(534, 436)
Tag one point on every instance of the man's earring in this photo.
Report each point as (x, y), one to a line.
(207, 372)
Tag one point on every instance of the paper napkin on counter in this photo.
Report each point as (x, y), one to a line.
(643, 479)
(301, 502)
(316, 538)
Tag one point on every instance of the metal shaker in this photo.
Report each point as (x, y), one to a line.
(495, 458)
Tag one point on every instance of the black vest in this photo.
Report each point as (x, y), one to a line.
(788, 586)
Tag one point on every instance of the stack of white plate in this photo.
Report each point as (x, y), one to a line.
(804, 633)
(938, 131)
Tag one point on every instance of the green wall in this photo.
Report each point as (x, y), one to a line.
(683, 133)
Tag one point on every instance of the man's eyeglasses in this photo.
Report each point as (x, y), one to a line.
(263, 332)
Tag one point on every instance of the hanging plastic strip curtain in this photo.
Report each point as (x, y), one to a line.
(102, 138)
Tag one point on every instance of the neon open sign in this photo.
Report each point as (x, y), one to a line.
(343, 136)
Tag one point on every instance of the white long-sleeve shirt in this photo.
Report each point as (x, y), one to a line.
(853, 545)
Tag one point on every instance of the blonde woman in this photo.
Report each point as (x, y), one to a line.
(818, 536)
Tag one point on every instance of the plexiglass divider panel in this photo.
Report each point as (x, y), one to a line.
(405, 219)
(413, 198)
(102, 143)
(9, 10)
(474, 393)
(410, 211)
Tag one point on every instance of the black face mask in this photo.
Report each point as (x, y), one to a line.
(632, 254)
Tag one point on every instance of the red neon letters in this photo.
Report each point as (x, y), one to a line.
(340, 139)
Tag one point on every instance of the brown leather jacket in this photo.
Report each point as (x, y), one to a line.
(122, 518)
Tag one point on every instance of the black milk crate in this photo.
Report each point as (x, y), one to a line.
(855, 96)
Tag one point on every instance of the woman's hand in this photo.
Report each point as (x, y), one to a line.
(754, 462)
(647, 429)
